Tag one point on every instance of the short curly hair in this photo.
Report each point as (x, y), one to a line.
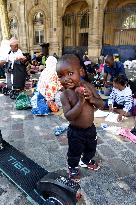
(120, 79)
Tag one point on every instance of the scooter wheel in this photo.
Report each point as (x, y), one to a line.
(57, 195)
(5, 91)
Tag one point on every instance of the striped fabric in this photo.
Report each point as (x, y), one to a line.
(121, 97)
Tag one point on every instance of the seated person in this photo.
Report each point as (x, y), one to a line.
(48, 85)
(113, 69)
(34, 67)
(120, 99)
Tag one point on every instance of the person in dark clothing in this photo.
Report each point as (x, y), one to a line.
(113, 69)
(2, 72)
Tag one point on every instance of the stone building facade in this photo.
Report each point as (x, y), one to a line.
(72, 25)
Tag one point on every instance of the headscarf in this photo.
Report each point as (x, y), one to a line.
(48, 83)
(13, 41)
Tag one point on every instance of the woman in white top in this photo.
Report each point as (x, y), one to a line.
(14, 53)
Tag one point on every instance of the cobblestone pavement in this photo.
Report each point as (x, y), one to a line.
(113, 184)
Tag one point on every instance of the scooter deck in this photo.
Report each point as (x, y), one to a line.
(22, 171)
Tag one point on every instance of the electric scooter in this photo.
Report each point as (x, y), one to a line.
(45, 188)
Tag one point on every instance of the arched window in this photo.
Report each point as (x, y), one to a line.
(39, 18)
(84, 23)
(130, 22)
(38, 24)
(129, 16)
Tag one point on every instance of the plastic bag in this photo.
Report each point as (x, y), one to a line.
(39, 105)
(22, 101)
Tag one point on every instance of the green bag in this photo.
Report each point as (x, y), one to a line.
(23, 101)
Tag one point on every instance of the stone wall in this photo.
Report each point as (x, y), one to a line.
(54, 11)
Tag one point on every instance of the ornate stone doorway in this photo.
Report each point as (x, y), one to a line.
(75, 28)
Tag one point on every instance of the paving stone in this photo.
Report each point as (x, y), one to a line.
(21, 200)
(134, 166)
(17, 120)
(121, 194)
(99, 141)
(104, 175)
(17, 126)
(62, 140)
(38, 156)
(95, 193)
(102, 135)
(106, 151)
(29, 117)
(6, 119)
(2, 191)
(11, 192)
(128, 156)
(105, 135)
(131, 146)
(9, 100)
(108, 193)
(116, 145)
(59, 163)
(130, 181)
(16, 134)
(120, 166)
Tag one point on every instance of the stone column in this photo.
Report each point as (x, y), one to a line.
(54, 28)
(95, 31)
(4, 20)
(22, 29)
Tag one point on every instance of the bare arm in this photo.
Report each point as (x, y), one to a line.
(92, 96)
(105, 78)
(71, 113)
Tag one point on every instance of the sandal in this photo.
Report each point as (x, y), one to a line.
(127, 133)
(60, 129)
(52, 105)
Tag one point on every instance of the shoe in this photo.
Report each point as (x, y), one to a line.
(82, 164)
(74, 174)
(93, 165)
(1, 146)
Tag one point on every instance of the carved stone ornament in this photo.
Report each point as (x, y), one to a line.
(9, 7)
(35, 2)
